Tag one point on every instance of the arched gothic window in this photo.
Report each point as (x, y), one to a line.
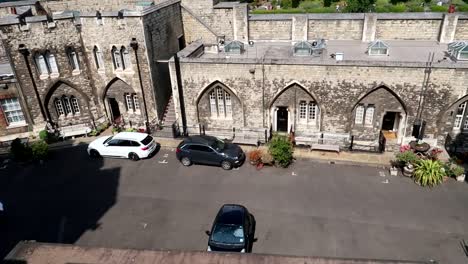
(220, 103)
(125, 58)
(117, 58)
(98, 58)
(51, 62)
(41, 64)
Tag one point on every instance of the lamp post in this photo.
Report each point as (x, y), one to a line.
(134, 45)
(23, 50)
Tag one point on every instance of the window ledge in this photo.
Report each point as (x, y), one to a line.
(101, 71)
(130, 71)
(76, 72)
(16, 125)
(54, 75)
(43, 76)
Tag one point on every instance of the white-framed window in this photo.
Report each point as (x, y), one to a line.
(302, 110)
(213, 105)
(220, 103)
(12, 111)
(41, 64)
(313, 109)
(359, 118)
(75, 105)
(67, 105)
(59, 107)
(461, 110)
(125, 58)
(98, 58)
(369, 115)
(52, 63)
(73, 58)
(117, 58)
(136, 103)
(129, 101)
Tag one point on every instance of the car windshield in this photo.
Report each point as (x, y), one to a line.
(147, 140)
(228, 234)
(218, 144)
(107, 140)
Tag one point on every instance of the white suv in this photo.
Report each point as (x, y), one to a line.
(130, 145)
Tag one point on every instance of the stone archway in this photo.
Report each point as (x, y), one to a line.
(380, 109)
(295, 109)
(65, 105)
(218, 107)
(123, 103)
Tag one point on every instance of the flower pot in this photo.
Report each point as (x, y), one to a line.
(461, 178)
(408, 170)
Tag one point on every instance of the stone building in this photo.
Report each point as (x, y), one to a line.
(81, 67)
(323, 75)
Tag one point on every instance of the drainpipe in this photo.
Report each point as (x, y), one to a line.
(23, 50)
(181, 94)
(134, 45)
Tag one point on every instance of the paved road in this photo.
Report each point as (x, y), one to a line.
(308, 209)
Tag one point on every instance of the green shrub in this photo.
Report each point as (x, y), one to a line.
(399, 8)
(456, 170)
(310, 4)
(93, 133)
(321, 10)
(40, 150)
(281, 149)
(436, 8)
(44, 135)
(382, 9)
(407, 157)
(428, 173)
(415, 9)
(20, 151)
(131, 129)
(462, 8)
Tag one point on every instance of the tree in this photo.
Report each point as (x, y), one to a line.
(286, 4)
(359, 6)
(295, 3)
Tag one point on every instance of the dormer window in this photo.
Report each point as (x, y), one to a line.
(378, 48)
(458, 50)
(234, 47)
(303, 48)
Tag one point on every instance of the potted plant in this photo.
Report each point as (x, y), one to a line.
(267, 158)
(428, 172)
(407, 159)
(255, 156)
(458, 172)
(419, 146)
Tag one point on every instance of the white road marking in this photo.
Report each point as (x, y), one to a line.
(163, 162)
(382, 174)
(166, 155)
(386, 181)
(293, 174)
(144, 225)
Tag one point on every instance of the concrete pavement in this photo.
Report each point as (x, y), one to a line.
(308, 209)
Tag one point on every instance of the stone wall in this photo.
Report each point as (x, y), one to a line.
(461, 32)
(12, 89)
(335, 29)
(337, 89)
(164, 33)
(196, 30)
(269, 30)
(90, 5)
(408, 29)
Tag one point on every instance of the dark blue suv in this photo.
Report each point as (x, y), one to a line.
(211, 151)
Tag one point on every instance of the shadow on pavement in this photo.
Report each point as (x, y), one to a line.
(57, 201)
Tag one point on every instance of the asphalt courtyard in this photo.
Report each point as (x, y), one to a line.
(309, 209)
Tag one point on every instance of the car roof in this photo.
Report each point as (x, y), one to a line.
(202, 139)
(231, 214)
(131, 135)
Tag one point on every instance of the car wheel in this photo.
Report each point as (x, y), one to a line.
(94, 154)
(186, 161)
(226, 165)
(133, 156)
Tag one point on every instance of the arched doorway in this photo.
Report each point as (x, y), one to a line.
(294, 109)
(218, 107)
(66, 105)
(122, 103)
(379, 110)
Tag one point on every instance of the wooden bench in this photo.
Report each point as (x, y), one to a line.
(246, 139)
(326, 147)
(74, 130)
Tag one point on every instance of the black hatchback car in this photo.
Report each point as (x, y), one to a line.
(211, 151)
(233, 230)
